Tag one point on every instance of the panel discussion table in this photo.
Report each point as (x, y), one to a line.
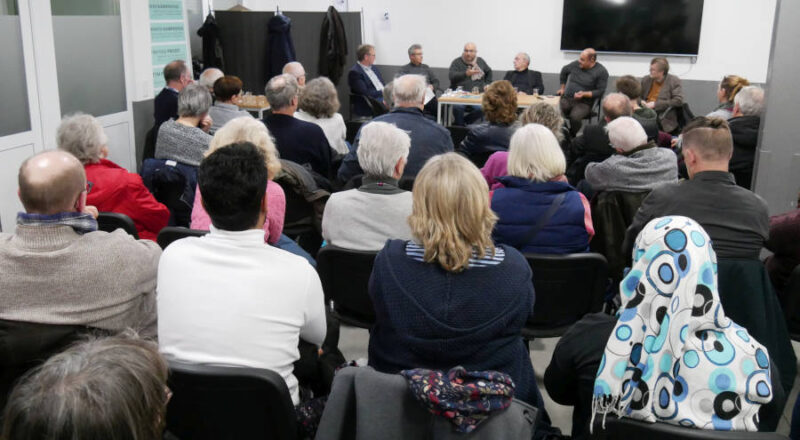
(523, 101)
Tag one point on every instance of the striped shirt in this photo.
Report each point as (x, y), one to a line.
(417, 252)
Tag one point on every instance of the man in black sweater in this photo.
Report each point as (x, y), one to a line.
(524, 80)
(582, 81)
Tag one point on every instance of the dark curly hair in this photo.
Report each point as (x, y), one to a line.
(500, 102)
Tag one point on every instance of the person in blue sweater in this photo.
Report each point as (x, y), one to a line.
(451, 297)
(538, 210)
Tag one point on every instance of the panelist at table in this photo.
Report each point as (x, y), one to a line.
(525, 80)
(582, 81)
(416, 67)
(469, 71)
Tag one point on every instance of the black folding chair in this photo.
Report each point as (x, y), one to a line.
(627, 428)
(567, 288)
(345, 276)
(111, 221)
(172, 233)
(227, 403)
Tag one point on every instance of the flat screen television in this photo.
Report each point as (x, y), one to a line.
(668, 27)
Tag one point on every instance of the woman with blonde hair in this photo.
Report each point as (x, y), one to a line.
(538, 210)
(499, 104)
(247, 129)
(729, 87)
(451, 297)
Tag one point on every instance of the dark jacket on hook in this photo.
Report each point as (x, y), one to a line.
(332, 46)
(281, 47)
(212, 45)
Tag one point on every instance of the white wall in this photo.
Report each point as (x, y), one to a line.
(735, 35)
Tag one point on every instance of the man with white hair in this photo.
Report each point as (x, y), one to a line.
(364, 218)
(209, 77)
(747, 108)
(299, 141)
(427, 137)
(296, 69)
(524, 80)
(638, 165)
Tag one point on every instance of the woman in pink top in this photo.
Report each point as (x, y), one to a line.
(249, 130)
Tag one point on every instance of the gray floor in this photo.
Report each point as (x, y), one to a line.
(353, 343)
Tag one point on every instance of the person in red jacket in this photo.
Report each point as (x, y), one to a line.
(111, 187)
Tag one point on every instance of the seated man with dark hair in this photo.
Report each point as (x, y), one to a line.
(582, 81)
(228, 297)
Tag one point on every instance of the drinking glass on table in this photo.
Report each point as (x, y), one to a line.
(476, 90)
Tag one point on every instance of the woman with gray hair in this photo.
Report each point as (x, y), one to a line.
(319, 104)
(185, 139)
(538, 211)
(364, 218)
(111, 188)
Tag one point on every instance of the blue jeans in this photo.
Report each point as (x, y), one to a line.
(464, 115)
(290, 245)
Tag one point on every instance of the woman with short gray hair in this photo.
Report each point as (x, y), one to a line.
(364, 218)
(110, 187)
(319, 104)
(185, 139)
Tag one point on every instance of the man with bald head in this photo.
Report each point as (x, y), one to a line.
(296, 69)
(469, 71)
(57, 268)
(582, 81)
(525, 80)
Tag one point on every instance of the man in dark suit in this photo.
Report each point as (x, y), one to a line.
(165, 106)
(298, 141)
(524, 80)
(365, 80)
(663, 93)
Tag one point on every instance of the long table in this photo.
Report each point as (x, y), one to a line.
(523, 101)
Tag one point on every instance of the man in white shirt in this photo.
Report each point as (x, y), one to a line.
(365, 80)
(228, 298)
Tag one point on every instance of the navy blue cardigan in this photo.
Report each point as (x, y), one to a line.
(430, 318)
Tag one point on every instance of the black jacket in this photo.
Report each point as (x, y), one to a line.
(744, 130)
(485, 138)
(332, 46)
(301, 142)
(592, 146)
(281, 47)
(165, 106)
(526, 81)
(212, 47)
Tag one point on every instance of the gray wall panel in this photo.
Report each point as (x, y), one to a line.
(14, 92)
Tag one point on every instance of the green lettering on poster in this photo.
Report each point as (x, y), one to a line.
(164, 53)
(166, 10)
(158, 79)
(161, 32)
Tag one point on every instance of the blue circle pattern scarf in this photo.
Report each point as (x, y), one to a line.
(674, 356)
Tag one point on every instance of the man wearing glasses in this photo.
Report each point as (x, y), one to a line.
(365, 80)
(468, 72)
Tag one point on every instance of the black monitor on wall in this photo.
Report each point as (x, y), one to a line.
(633, 26)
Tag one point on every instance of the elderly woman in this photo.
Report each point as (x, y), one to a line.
(319, 104)
(364, 218)
(185, 139)
(538, 210)
(248, 129)
(451, 297)
(226, 89)
(729, 87)
(539, 113)
(111, 187)
(500, 107)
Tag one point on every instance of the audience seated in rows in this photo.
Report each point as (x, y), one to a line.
(729, 87)
(427, 137)
(663, 93)
(208, 77)
(103, 388)
(582, 82)
(744, 124)
(735, 218)
(637, 166)
(277, 297)
(538, 211)
(499, 104)
(671, 341)
(319, 104)
(165, 105)
(296, 69)
(593, 144)
(630, 87)
(539, 113)
(430, 296)
(111, 188)
(57, 268)
(185, 139)
(226, 90)
(523, 80)
(365, 80)
(248, 129)
(296, 140)
(469, 72)
(365, 217)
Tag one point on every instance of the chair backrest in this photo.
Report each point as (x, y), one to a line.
(567, 288)
(215, 402)
(172, 184)
(344, 274)
(627, 428)
(352, 130)
(172, 233)
(111, 221)
(792, 310)
(612, 213)
(374, 106)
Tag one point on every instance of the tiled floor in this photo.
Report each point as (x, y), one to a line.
(353, 343)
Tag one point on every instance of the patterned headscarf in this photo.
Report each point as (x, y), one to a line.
(674, 356)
